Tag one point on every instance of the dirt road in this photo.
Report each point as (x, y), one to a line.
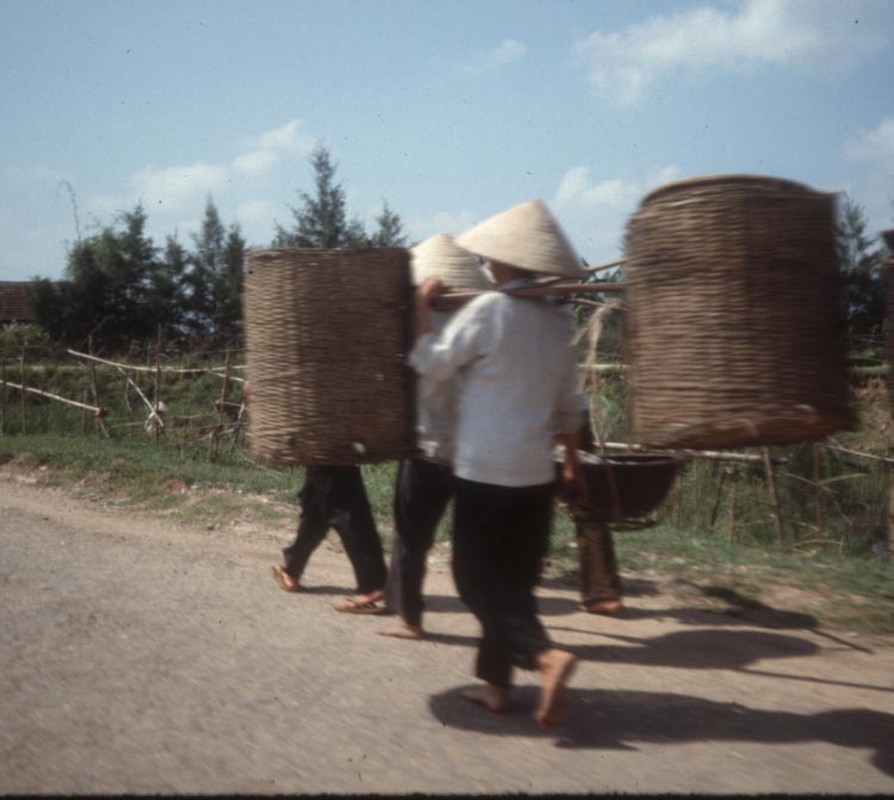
(142, 657)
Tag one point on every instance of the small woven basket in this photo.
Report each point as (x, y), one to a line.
(327, 335)
(734, 326)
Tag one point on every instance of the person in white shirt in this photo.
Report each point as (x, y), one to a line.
(424, 485)
(517, 380)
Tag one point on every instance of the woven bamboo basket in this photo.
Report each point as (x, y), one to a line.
(327, 334)
(734, 326)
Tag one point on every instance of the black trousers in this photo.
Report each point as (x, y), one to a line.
(500, 537)
(335, 497)
(421, 495)
(599, 577)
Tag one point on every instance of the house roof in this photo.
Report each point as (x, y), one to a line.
(14, 305)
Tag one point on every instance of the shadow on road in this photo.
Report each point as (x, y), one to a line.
(605, 719)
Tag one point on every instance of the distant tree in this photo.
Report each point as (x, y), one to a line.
(165, 298)
(390, 232)
(214, 278)
(104, 290)
(321, 219)
(228, 287)
(861, 265)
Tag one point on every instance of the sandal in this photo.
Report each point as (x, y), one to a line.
(352, 605)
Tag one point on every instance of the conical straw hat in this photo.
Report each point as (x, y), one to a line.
(526, 236)
(441, 257)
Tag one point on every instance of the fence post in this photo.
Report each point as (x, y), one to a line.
(157, 382)
(22, 392)
(818, 488)
(774, 495)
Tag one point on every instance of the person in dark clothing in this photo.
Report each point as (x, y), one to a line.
(600, 581)
(422, 493)
(517, 374)
(335, 497)
(424, 485)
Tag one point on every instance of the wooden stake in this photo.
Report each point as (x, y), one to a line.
(732, 508)
(818, 488)
(23, 389)
(22, 395)
(157, 380)
(774, 495)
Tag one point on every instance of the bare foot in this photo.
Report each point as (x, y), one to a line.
(286, 582)
(556, 667)
(493, 698)
(606, 607)
(401, 630)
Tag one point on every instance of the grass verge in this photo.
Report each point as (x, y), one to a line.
(703, 569)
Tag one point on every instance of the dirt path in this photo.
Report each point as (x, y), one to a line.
(141, 657)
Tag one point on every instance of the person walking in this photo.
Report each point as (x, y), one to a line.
(424, 485)
(517, 394)
(334, 496)
(600, 581)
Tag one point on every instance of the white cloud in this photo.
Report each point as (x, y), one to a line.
(507, 52)
(257, 162)
(622, 66)
(266, 150)
(875, 146)
(182, 187)
(175, 186)
(595, 213)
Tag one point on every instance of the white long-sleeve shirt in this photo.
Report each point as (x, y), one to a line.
(517, 386)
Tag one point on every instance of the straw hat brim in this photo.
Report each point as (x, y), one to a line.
(525, 236)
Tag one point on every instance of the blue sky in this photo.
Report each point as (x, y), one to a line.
(451, 110)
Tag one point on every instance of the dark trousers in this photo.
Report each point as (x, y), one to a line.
(599, 578)
(500, 537)
(422, 491)
(335, 497)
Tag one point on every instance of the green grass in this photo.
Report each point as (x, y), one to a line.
(188, 485)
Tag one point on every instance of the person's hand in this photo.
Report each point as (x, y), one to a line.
(574, 484)
(430, 289)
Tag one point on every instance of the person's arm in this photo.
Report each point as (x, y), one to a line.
(425, 295)
(572, 474)
(439, 356)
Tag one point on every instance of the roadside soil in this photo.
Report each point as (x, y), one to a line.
(141, 656)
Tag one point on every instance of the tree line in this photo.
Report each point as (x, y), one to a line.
(120, 287)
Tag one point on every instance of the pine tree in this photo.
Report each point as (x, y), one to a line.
(861, 267)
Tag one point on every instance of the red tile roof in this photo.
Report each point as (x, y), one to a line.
(14, 306)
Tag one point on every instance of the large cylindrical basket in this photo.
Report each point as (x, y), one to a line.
(734, 325)
(327, 336)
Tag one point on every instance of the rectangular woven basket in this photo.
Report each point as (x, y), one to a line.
(327, 337)
(734, 325)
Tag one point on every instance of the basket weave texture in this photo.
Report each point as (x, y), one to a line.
(327, 335)
(734, 327)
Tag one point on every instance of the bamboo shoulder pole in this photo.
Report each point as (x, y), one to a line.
(453, 299)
